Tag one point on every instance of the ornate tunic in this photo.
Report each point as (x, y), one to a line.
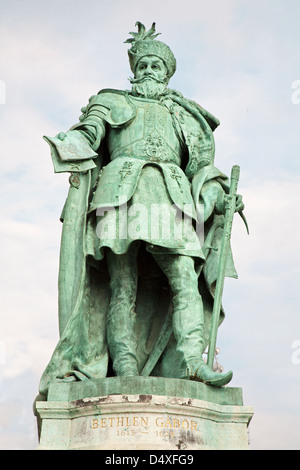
(149, 136)
(143, 194)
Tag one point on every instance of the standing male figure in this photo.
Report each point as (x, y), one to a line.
(133, 150)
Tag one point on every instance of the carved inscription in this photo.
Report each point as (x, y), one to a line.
(161, 426)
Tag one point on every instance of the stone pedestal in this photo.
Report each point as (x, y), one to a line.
(142, 413)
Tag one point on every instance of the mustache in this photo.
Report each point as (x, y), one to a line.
(143, 79)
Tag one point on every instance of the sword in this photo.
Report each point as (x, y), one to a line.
(229, 213)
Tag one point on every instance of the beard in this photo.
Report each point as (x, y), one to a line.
(148, 87)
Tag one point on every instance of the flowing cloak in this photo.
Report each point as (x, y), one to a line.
(83, 283)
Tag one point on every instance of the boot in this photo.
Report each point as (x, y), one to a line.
(188, 332)
(203, 373)
(121, 316)
(121, 341)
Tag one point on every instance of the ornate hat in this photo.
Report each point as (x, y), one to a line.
(144, 43)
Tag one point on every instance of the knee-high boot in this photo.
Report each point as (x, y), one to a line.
(188, 332)
(121, 317)
(121, 339)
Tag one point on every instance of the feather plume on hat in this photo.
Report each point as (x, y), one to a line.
(143, 43)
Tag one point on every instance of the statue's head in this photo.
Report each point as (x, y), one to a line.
(150, 60)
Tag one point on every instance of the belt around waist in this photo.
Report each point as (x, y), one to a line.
(147, 158)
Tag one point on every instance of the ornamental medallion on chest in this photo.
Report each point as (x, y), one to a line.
(155, 120)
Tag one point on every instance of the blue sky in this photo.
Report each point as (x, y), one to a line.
(239, 59)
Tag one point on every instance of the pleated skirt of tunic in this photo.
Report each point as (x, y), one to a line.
(150, 216)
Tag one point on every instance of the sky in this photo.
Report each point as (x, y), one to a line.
(239, 59)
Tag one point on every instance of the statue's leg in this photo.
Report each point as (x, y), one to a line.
(188, 317)
(121, 317)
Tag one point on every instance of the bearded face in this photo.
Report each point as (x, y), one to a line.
(151, 78)
(148, 87)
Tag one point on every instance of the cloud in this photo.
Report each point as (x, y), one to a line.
(18, 427)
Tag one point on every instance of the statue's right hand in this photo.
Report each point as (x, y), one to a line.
(61, 135)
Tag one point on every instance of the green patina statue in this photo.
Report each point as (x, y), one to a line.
(142, 230)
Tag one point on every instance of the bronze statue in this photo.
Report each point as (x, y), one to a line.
(142, 230)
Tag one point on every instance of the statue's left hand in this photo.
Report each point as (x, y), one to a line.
(222, 205)
(239, 204)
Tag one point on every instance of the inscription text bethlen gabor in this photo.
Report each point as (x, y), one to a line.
(144, 421)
